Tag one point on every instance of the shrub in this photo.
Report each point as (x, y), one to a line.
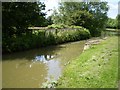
(42, 39)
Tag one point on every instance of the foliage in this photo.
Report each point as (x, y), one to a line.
(56, 18)
(49, 19)
(57, 26)
(114, 23)
(118, 21)
(18, 16)
(91, 15)
(111, 23)
(63, 26)
(81, 18)
(42, 39)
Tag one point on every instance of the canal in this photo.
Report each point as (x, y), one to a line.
(29, 69)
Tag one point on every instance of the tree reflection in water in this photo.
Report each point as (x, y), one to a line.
(44, 58)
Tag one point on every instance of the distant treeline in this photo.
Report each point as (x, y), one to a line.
(113, 23)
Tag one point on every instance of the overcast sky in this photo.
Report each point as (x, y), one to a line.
(112, 13)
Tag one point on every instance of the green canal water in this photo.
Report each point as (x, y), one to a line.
(29, 69)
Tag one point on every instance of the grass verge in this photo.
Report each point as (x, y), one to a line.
(97, 67)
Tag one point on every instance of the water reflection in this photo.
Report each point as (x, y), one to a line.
(52, 63)
(54, 70)
(43, 58)
(29, 69)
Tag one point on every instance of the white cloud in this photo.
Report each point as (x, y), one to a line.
(119, 8)
(113, 9)
(113, 6)
(50, 4)
(115, 1)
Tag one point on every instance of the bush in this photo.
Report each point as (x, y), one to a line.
(74, 35)
(42, 39)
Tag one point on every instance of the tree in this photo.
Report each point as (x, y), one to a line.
(18, 16)
(111, 23)
(118, 21)
(91, 15)
(50, 21)
(56, 17)
(81, 18)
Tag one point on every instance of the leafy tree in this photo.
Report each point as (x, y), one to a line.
(56, 17)
(118, 21)
(18, 16)
(111, 23)
(49, 20)
(91, 15)
(81, 18)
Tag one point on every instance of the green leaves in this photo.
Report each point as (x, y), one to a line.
(111, 23)
(16, 18)
(118, 21)
(21, 15)
(91, 15)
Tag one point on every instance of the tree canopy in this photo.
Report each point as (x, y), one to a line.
(118, 21)
(91, 15)
(114, 23)
(18, 16)
(111, 23)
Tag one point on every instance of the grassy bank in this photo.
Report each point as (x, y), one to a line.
(97, 67)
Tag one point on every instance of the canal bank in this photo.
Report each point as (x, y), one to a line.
(97, 67)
